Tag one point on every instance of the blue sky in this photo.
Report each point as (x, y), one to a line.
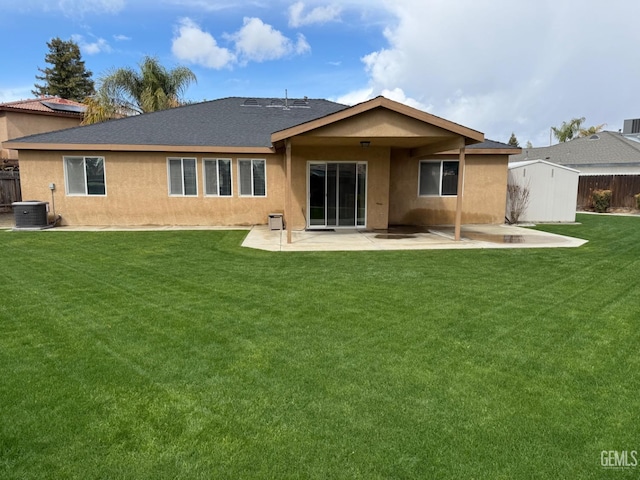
(493, 65)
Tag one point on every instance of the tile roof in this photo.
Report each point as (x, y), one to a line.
(229, 122)
(39, 105)
(602, 149)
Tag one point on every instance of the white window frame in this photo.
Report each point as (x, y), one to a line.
(86, 186)
(204, 177)
(441, 162)
(240, 194)
(182, 159)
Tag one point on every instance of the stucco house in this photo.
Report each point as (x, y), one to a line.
(234, 161)
(27, 117)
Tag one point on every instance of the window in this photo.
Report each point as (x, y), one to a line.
(438, 178)
(183, 177)
(217, 176)
(84, 175)
(252, 177)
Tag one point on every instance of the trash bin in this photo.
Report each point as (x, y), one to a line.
(275, 221)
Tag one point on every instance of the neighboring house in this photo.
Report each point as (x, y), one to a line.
(234, 161)
(28, 117)
(552, 190)
(606, 160)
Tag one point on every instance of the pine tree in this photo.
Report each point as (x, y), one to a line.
(513, 141)
(67, 77)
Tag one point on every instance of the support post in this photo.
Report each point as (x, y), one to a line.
(287, 207)
(461, 169)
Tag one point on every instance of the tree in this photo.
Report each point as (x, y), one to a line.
(586, 132)
(568, 130)
(513, 141)
(125, 91)
(67, 77)
(529, 144)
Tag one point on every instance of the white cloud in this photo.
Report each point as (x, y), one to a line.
(355, 96)
(501, 66)
(302, 46)
(396, 94)
(91, 48)
(297, 17)
(121, 38)
(257, 41)
(192, 44)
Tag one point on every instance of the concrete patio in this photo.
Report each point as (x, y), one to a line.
(406, 238)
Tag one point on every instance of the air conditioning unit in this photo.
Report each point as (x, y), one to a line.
(31, 215)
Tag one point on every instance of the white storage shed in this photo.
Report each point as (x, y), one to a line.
(553, 190)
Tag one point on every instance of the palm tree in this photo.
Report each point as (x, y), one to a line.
(125, 91)
(568, 130)
(586, 132)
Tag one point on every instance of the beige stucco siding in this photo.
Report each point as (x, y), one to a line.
(137, 191)
(483, 199)
(17, 124)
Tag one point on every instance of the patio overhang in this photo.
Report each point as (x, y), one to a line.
(380, 123)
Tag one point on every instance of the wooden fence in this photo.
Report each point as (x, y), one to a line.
(9, 189)
(623, 188)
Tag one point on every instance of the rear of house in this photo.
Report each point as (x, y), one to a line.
(234, 161)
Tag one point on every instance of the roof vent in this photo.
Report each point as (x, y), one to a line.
(251, 102)
(300, 103)
(276, 103)
(594, 137)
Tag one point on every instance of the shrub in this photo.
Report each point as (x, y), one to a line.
(601, 200)
(517, 200)
(637, 196)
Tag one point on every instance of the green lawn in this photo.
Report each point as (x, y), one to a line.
(153, 355)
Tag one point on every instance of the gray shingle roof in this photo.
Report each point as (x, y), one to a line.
(229, 122)
(604, 148)
(491, 144)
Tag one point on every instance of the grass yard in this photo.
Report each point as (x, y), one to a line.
(153, 355)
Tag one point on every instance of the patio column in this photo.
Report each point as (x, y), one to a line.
(287, 206)
(461, 168)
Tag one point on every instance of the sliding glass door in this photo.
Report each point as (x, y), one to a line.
(337, 194)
